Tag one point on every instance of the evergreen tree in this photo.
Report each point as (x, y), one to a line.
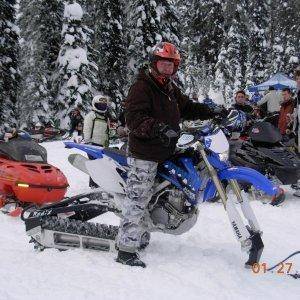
(111, 46)
(9, 74)
(289, 16)
(40, 23)
(77, 75)
(232, 61)
(258, 42)
(149, 22)
(206, 32)
(284, 36)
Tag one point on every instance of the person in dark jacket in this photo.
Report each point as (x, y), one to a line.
(241, 103)
(153, 110)
(285, 121)
(76, 120)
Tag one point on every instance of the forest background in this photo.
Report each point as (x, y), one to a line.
(57, 54)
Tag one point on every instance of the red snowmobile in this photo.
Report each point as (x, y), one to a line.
(26, 178)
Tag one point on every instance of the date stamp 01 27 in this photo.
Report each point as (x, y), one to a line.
(282, 268)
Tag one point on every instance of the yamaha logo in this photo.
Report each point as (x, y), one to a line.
(236, 229)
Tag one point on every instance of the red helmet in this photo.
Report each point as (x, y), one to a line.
(164, 50)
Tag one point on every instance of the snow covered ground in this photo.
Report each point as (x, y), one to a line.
(205, 263)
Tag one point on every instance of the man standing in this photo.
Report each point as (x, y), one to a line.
(285, 121)
(272, 99)
(153, 110)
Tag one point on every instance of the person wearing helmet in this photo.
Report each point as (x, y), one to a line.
(154, 108)
(95, 126)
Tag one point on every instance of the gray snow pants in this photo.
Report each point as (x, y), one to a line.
(140, 181)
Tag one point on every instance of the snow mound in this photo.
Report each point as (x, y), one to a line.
(205, 263)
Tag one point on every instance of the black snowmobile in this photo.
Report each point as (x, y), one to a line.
(264, 151)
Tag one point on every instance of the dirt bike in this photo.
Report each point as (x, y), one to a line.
(198, 171)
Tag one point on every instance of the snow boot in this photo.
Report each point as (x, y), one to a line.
(130, 259)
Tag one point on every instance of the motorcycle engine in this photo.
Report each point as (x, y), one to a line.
(171, 213)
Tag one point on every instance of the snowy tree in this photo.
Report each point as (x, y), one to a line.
(284, 36)
(205, 32)
(258, 43)
(9, 74)
(111, 46)
(77, 75)
(231, 67)
(149, 22)
(40, 21)
(289, 16)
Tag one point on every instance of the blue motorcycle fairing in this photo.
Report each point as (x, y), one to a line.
(242, 174)
(185, 178)
(252, 176)
(210, 191)
(94, 151)
(214, 160)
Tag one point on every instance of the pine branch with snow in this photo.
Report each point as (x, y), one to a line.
(76, 73)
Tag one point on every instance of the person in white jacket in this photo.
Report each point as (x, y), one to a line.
(95, 125)
(273, 100)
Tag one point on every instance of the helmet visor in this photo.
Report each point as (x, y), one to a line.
(101, 106)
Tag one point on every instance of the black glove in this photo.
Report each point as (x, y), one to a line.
(165, 133)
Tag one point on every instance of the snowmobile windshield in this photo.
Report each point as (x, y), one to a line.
(23, 151)
(265, 132)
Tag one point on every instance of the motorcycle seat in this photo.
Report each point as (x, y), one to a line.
(117, 155)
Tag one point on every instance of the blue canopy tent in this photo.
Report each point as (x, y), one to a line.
(279, 81)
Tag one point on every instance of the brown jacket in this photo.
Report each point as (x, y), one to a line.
(284, 121)
(148, 104)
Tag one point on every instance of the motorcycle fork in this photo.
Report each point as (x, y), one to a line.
(249, 237)
(245, 206)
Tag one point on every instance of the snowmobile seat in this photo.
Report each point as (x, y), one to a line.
(264, 132)
(117, 155)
